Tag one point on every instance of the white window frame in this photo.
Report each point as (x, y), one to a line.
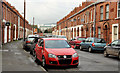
(99, 34)
(91, 15)
(118, 9)
(101, 13)
(113, 25)
(107, 12)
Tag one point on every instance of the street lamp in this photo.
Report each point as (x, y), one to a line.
(24, 18)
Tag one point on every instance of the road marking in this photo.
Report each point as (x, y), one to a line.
(17, 53)
(4, 50)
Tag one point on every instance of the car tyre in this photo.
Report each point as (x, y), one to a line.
(81, 48)
(90, 50)
(105, 54)
(33, 52)
(36, 59)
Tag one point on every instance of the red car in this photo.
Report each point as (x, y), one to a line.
(55, 52)
(76, 42)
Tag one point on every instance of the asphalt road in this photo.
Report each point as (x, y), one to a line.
(14, 58)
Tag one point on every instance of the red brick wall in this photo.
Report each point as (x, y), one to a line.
(10, 14)
(112, 20)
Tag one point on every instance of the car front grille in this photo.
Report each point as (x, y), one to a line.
(62, 56)
(65, 61)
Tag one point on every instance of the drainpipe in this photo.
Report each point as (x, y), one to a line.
(94, 20)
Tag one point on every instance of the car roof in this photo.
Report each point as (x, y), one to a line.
(53, 39)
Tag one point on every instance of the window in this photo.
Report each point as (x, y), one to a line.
(56, 44)
(107, 11)
(115, 32)
(99, 32)
(114, 43)
(91, 15)
(119, 9)
(41, 43)
(87, 16)
(101, 13)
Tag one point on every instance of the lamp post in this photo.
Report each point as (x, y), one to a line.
(24, 17)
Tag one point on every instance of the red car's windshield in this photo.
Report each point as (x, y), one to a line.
(56, 44)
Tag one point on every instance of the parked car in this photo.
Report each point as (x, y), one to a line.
(28, 41)
(48, 36)
(113, 49)
(92, 44)
(55, 52)
(77, 41)
(33, 44)
(62, 36)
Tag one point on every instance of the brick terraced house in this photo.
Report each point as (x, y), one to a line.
(14, 31)
(103, 17)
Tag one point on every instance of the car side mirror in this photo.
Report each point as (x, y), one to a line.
(72, 46)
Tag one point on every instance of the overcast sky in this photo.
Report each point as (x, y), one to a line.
(45, 11)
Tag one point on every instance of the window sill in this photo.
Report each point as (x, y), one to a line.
(117, 18)
(91, 22)
(104, 20)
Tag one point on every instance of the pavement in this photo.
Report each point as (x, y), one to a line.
(14, 58)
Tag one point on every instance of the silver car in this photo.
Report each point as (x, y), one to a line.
(113, 49)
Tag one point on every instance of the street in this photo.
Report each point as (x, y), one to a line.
(14, 58)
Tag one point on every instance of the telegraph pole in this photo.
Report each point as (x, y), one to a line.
(94, 20)
(33, 25)
(0, 23)
(24, 17)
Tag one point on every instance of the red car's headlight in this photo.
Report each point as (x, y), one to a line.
(51, 56)
(75, 55)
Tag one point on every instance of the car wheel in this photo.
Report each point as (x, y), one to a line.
(43, 62)
(36, 59)
(81, 48)
(90, 49)
(105, 54)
